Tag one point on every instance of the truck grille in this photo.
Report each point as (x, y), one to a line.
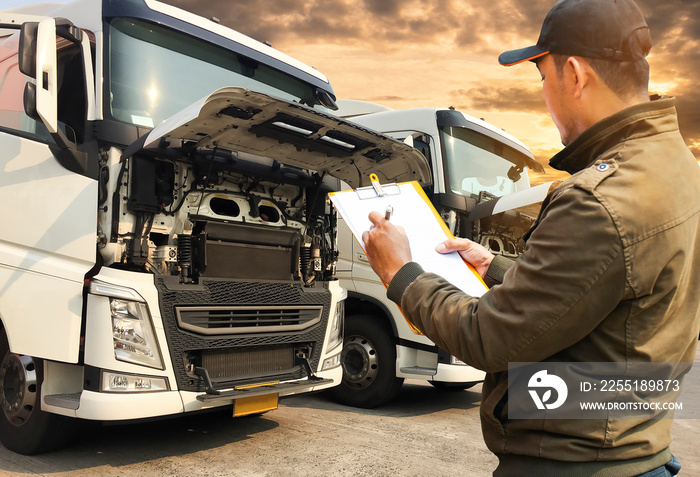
(226, 320)
(221, 364)
(232, 344)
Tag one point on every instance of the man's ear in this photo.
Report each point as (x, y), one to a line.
(581, 74)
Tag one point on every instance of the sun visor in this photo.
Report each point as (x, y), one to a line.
(241, 120)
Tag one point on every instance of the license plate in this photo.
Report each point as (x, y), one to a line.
(255, 404)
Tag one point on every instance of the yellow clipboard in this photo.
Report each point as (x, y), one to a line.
(423, 225)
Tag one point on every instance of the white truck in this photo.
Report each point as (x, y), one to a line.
(472, 163)
(167, 245)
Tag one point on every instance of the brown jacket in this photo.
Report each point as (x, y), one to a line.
(610, 273)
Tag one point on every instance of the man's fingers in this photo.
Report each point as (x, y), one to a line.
(375, 217)
(454, 245)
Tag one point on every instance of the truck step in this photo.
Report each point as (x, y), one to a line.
(418, 370)
(66, 401)
(261, 390)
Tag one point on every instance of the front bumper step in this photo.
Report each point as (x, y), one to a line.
(214, 394)
(262, 390)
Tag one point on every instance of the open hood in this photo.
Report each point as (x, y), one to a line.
(241, 120)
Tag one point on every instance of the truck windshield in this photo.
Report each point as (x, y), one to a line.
(477, 163)
(155, 72)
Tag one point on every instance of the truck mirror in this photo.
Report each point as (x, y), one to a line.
(38, 59)
(515, 173)
(46, 74)
(30, 101)
(326, 99)
(27, 48)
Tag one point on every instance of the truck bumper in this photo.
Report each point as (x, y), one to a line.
(102, 406)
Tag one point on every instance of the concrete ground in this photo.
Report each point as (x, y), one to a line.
(424, 432)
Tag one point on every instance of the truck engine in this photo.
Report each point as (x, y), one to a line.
(217, 214)
(502, 233)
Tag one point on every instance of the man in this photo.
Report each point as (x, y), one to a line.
(611, 268)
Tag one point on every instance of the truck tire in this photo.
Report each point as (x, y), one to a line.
(24, 427)
(369, 364)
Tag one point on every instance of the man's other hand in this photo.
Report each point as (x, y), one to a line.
(386, 247)
(471, 252)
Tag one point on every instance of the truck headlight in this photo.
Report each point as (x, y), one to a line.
(132, 328)
(130, 383)
(132, 333)
(336, 338)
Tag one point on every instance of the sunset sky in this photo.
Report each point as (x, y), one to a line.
(440, 53)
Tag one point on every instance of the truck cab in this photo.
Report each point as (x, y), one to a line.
(473, 165)
(168, 246)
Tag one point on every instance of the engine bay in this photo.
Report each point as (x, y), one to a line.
(217, 214)
(502, 233)
(235, 187)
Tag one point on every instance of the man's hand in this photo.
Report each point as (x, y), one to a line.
(473, 253)
(386, 247)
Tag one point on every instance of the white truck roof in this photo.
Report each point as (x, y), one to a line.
(81, 6)
(379, 117)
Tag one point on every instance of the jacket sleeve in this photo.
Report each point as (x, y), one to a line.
(570, 276)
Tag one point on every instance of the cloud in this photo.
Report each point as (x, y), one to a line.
(495, 98)
(429, 31)
(383, 99)
(384, 8)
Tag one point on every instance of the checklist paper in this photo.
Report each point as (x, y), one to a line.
(424, 227)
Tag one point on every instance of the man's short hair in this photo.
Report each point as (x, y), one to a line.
(624, 78)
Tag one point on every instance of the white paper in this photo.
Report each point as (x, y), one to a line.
(522, 198)
(423, 228)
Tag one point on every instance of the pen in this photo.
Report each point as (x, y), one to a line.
(389, 211)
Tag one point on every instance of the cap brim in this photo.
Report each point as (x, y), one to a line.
(513, 57)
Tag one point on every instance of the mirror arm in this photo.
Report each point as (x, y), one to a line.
(68, 154)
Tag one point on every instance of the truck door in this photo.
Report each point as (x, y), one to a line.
(48, 214)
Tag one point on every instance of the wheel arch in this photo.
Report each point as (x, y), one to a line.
(357, 303)
(3, 333)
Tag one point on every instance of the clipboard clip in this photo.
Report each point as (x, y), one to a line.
(376, 185)
(377, 189)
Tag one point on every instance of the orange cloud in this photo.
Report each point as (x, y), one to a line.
(416, 53)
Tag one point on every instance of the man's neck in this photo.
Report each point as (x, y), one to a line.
(606, 104)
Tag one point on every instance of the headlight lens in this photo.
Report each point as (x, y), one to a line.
(337, 326)
(131, 383)
(132, 333)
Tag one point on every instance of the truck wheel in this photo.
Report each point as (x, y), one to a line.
(369, 364)
(24, 427)
(443, 386)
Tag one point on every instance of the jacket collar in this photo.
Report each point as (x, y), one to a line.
(604, 135)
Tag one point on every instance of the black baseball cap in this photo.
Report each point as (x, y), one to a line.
(590, 28)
